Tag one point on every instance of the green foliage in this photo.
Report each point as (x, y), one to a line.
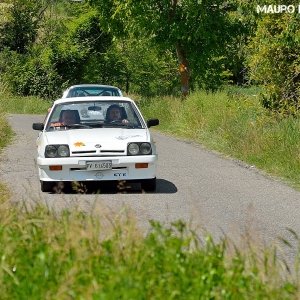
(71, 55)
(143, 69)
(74, 256)
(274, 61)
(12, 104)
(109, 12)
(68, 60)
(29, 74)
(6, 133)
(75, 49)
(135, 44)
(45, 70)
(242, 18)
(88, 34)
(197, 30)
(20, 29)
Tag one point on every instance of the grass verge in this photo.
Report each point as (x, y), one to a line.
(6, 132)
(236, 125)
(23, 105)
(72, 256)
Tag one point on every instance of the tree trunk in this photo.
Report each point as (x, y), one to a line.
(127, 83)
(183, 70)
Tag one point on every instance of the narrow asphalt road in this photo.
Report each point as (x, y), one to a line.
(200, 187)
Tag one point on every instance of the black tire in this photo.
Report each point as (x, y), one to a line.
(47, 186)
(149, 185)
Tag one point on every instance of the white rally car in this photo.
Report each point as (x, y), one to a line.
(96, 139)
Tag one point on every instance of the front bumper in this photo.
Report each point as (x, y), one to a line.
(74, 168)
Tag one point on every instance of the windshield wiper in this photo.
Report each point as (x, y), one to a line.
(78, 126)
(95, 124)
(128, 125)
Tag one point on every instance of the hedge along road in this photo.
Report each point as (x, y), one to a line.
(200, 187)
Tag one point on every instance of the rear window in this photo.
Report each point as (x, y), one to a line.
(93, 91)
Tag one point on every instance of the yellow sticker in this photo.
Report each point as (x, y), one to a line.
(79, 144)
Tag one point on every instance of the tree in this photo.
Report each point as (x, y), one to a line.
(243, 19)
(20, 28)
(195, 30)
(141, 68)
(274, 60)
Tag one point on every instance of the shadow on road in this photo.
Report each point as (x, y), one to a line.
(122, 187)
(165, 187)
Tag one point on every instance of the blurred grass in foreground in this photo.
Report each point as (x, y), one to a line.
(235, 124)
(72, 256)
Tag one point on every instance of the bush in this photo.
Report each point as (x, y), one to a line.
(275, 63)
(29, 75)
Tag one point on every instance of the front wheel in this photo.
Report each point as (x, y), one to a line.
(149, 185)
(47, 186)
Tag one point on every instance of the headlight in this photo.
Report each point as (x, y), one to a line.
(52, 151)
(139, 149)
(133, 149)
(63, 151)
(145, 148)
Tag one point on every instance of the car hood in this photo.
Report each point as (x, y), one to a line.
(106, 139)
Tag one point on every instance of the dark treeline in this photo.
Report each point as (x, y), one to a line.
(166, 47)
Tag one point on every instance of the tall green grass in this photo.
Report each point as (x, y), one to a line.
(23, 105)
(17, 104)
(6, 132)
(236, 125)
(74, 256)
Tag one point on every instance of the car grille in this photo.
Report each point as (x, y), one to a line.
(98, 153)
(83, 169)
(114, 151)
(83, 152)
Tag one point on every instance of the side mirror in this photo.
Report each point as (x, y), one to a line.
(38, 126)
(152, 122)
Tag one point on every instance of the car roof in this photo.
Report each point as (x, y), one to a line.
(93, 98)
(91, 85)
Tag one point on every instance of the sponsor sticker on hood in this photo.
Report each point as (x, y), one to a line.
(79, 144)
(127, 137)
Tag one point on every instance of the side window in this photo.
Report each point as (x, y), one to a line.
(55, 115)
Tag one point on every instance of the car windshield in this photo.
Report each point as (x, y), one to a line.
(94, 114)
(84, 91)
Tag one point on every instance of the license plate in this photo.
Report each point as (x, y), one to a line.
(98, 165)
